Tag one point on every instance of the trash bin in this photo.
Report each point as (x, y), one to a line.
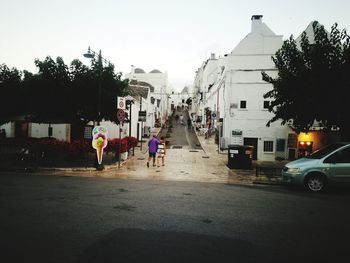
(240, 156)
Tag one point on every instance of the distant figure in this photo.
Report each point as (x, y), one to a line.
(177, 118)
(209, 124)
(161, 151)
(2, 134)
(189, 122)
(182, 119)
(152, 150)
(208, 133)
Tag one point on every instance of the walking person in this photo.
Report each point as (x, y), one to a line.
(177, 118)
(189, 122)
(152, 150)
(161, 151)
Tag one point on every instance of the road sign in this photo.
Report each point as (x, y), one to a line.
(121, 115)
(121, 103)
(213, 115)
(142, 115)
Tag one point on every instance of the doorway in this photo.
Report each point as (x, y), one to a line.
(252, 142)
(21, 129)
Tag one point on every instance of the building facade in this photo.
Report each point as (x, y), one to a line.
(160, 95)
(230, 93)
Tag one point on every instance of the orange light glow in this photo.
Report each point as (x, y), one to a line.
(304, 137)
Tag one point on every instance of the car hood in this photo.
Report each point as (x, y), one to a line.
(302, 162)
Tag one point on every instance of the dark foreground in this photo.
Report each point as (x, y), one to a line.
(71, 219)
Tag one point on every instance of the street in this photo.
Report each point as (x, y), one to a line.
(75, 219)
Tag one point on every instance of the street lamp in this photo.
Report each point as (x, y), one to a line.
(92, 54)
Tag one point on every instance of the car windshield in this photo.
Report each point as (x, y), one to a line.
(325, 151)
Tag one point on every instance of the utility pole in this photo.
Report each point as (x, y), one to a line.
(141, 122)
(130, 119)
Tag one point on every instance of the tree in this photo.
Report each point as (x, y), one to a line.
(313, 81)
(58, 93)
(10, 87)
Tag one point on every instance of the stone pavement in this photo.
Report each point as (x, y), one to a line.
(206, 165)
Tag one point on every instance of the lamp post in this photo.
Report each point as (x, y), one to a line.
(129, 103)
(92, 54)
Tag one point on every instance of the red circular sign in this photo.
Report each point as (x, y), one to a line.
(121, 104)
(120, 115)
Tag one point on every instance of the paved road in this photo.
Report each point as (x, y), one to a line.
(74, 219)
(181, 134)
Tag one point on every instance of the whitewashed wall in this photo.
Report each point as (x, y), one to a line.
(8, 127)
(59, 131)
(238, 77)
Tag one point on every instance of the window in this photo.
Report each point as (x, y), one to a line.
(342, 156)
(268, 146)
(280, 145)
(266, 104)
(243, 104)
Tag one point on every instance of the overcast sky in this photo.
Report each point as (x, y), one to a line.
(173, 36)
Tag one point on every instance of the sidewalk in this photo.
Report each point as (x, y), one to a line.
(186, 164)
(240, 176)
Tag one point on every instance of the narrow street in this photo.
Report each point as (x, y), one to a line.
(181, 135)
(185, 159)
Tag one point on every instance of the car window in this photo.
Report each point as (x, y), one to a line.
(342, 156)
(325, 151)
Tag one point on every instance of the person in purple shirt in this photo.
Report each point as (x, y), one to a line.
(152, 150)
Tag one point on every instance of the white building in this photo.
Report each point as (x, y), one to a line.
(161, 90)
(232, 88)
(140, 93)
(24, 129)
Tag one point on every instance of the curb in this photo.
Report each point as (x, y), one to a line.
(59, 169)
(268, 183)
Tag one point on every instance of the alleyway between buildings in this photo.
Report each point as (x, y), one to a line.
(190, 157)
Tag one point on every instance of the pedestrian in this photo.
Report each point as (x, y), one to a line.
(177, 118)
(189, 122)
(152, 150)
(182, 119)
(161, 151)
(208, 133)
(3, 134)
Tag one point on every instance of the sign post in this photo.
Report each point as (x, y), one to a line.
(121, 118)
(121, 103)
(141, 122)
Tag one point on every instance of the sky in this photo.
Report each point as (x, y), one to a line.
(173, 36)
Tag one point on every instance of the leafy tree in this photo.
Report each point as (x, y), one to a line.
(313, 81)
(10, 87)
(59, 93)
(86, 81)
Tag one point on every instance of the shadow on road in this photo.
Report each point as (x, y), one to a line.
(136, 245)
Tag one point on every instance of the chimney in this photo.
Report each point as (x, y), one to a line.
(256, 23)
(212, 56)
(132, 72)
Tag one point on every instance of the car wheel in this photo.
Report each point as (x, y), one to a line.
(315, 182)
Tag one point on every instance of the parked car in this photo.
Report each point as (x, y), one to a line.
(328, 165)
